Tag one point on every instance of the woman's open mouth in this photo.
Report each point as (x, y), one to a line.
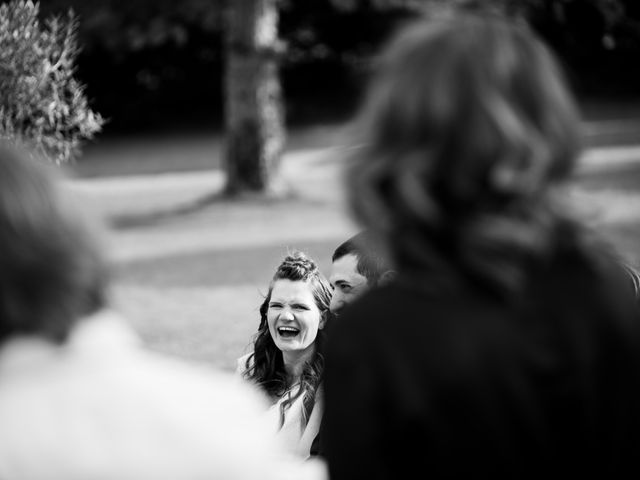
(288, 332)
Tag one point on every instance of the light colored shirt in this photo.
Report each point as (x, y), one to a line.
(296, 434)
(101, 407)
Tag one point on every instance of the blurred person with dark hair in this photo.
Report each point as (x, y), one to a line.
(507, 346)
(51, 272)
(358, 264)
(79, 396)
(287, 360)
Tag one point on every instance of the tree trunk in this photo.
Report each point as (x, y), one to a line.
(253, 100)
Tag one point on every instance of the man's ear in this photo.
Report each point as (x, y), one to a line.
(387, 277)
(323, 320)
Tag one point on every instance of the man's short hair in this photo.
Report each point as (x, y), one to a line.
(372, 257)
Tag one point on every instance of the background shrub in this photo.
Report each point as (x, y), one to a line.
(41, 103)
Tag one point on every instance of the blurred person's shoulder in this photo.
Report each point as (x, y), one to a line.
(104, 362)
(404, 304)
(583, 262)
(104, 406)
(585, 286)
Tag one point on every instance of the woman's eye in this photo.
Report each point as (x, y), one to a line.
(275, 305)
(301, 307)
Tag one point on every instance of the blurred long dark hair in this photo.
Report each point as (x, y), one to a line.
(467, 128)
(265, 366)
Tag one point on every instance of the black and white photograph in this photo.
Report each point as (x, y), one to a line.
(319, 239)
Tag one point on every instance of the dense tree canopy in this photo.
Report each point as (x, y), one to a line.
(164, 58)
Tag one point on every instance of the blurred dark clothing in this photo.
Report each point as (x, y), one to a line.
(316, 445)
(442, 385)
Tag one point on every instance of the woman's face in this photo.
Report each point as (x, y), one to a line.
(293, 316)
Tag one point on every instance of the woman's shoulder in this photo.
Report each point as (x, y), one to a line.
(244, 363)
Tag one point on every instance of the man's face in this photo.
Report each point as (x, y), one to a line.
(346, 282)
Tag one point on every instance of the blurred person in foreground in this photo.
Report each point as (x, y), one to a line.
(358, 264)
(79, 396)
(508, 345)
(287, 360)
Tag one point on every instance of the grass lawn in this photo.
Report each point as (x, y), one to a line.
(191, 283)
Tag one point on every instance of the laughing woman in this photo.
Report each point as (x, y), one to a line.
(287, 361)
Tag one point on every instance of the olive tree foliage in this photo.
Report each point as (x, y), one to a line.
(42, 105)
